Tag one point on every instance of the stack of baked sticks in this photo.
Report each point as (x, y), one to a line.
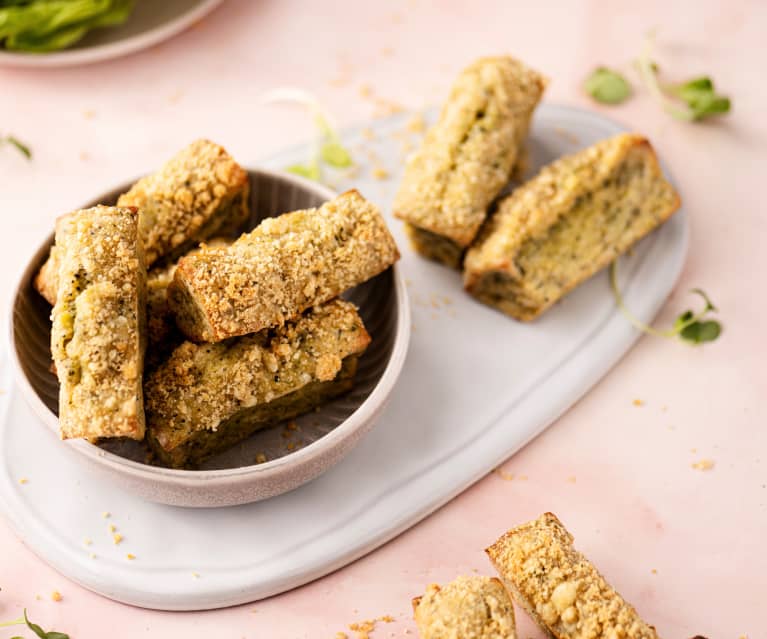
(195, 354)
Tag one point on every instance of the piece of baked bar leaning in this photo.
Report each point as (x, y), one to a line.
(199, 193)
(206, 398)
(98, 335)
(560, 589)
(475, 607)
(467, 158)
(284, 266)
(568, 222)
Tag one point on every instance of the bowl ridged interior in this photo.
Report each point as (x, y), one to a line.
(270, 195)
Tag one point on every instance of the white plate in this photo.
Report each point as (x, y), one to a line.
(151, 22)
(475, 388)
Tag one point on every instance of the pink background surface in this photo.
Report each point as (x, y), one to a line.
(635, 505)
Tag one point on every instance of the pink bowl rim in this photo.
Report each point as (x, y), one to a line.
(362, 415)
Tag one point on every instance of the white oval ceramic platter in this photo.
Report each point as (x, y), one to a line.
(151, 22)
(475, 388)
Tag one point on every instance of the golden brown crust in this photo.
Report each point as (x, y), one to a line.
(559, 587)
(572, 219)
(189, 199)
(466, 608)
(469, 155)
(200, 386)
(198, 193)
(98, 334)
(287, 264)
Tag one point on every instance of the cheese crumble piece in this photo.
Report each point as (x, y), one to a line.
(703, 464)
(560, 589)
(469, 607)
(130, 556)
(56, 596)
(117, 537)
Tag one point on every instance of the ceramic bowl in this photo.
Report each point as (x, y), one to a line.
(294, 456)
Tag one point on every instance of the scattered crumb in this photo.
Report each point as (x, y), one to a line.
(368, 133)
(112, 527)
(364, 628)
(365, 91)
(380, 173)
(703, 464)
(571, 479)
(23, 480)
(340, 81)
(38, 597)
(260, 458)
(341, 635)
(416, 124)
(567, 135)
(92, 555)
(56, 596)
(386, 107)
(117, 538)
(664, 408)
(291, 446)
(87, 541)
(291, 425)
(130, 557)
(285, 433)
(89, 114)
(693, 450)
(654, 571)
(174, 97)
(503, 474)
(106, 514)
(387, 51)
(397, 18)
(638, 402)
(522, 478)
(196, 575)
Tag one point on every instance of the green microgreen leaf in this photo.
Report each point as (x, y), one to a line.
(328, 150)
(335, 155)
(690, 327)
(693, 100)
(607, 86)
(18, 144)
(310, 171)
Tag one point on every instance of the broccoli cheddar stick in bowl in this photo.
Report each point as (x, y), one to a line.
(284, 266)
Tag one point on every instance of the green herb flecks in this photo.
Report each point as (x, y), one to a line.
(328, 150)
(693, 328)
(607, 86)
(693, 100)
(18, 144)
(52, 634)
